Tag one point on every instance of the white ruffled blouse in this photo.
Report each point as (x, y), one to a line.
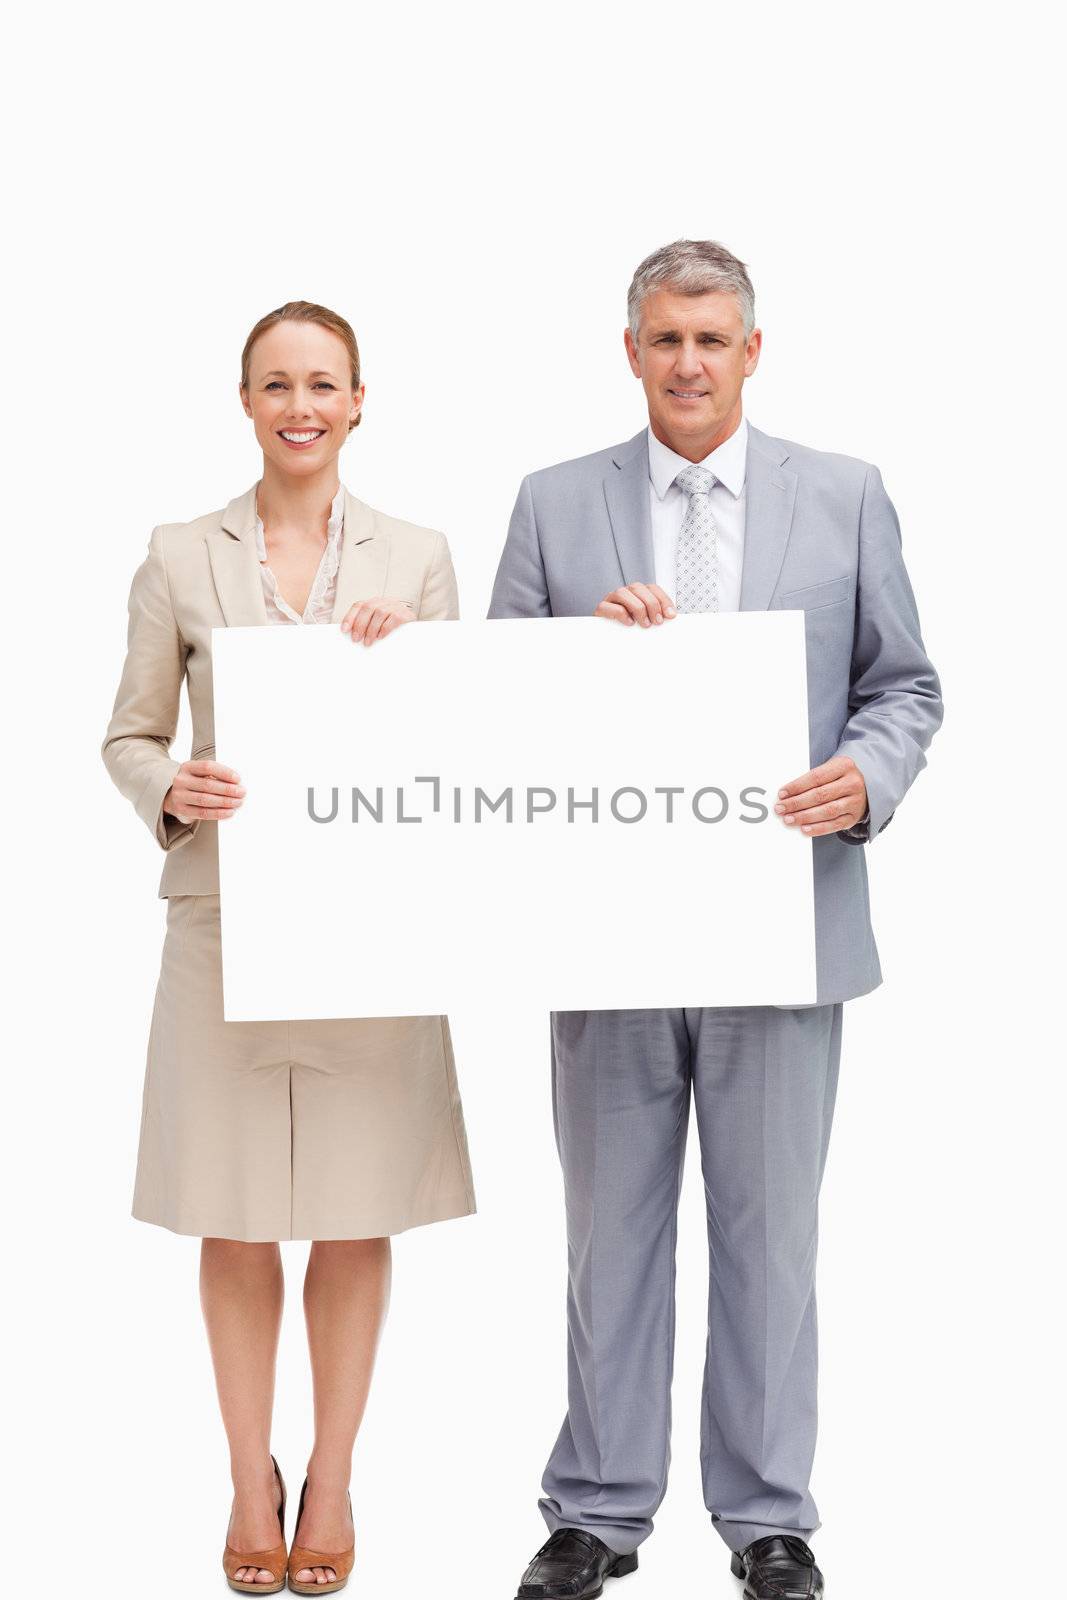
(320, 601)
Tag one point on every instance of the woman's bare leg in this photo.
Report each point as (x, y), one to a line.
(346, 1292)
(241, 1291)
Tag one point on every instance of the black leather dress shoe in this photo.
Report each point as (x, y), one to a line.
(780, 1567)
(572, 1566)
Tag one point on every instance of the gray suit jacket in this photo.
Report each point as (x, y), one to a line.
(821, 536)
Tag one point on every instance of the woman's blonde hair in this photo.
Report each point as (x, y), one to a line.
(306, 311)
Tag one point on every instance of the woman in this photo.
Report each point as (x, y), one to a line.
(256, 1132)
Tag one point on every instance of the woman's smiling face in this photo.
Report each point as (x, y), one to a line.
(300, 396)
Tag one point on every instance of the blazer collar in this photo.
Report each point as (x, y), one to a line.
(770, 495)
(235, 561)
(626, 493)
(364, 557)
(239, 517)
(235, 565)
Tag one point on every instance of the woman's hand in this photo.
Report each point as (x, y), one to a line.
(203, 791)
(373, 619)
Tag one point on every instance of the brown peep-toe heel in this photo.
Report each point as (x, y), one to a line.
(272, 1561)
(300, 1557)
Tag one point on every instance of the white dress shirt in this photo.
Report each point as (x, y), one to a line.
(727, 500)
(319, 606)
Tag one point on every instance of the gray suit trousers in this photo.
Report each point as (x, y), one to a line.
(763, 1081)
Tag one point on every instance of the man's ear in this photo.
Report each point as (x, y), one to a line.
(631, 353)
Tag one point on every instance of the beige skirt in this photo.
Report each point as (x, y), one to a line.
(346, 1129)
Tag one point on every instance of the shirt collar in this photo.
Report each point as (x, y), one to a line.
(727, 462)
(334, 525)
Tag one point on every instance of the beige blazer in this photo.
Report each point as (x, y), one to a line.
(205, 574)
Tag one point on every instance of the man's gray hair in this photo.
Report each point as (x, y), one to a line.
(692, 266)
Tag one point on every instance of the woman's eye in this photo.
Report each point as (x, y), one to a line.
(276, 383)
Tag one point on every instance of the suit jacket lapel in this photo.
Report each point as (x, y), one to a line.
(626, 493)
(235, 564)
(364, 557)
(770, 494)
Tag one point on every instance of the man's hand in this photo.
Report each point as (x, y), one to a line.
(376, 619)
(643, 603)
(203, 791)
(826, 800)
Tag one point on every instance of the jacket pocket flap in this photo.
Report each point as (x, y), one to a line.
(816, 595)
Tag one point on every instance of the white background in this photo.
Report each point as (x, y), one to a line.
(472, 187)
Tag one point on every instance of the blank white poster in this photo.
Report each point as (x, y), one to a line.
(565, 812)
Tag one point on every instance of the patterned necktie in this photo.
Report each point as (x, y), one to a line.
(696, 584)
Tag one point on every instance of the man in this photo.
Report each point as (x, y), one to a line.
(703, 512)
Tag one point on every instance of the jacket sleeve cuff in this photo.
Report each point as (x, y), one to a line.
(860, 832)
(880, 802)
(169, 832)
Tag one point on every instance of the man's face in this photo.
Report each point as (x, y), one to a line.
(692, 357)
